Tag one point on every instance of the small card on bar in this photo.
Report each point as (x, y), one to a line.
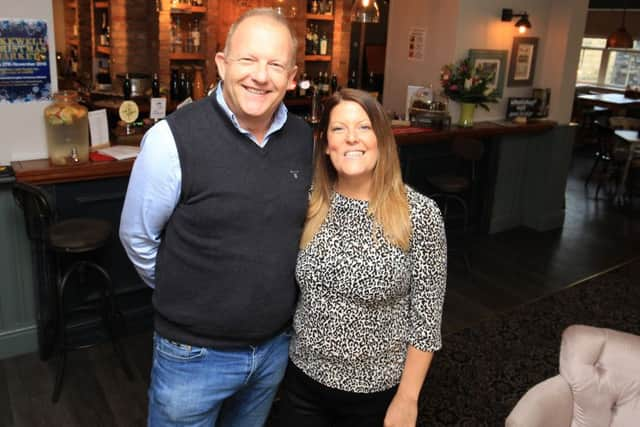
(99, 128)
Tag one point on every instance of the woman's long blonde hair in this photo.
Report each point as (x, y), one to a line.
(388, 204)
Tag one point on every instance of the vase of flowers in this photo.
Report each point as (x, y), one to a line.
(468, 86)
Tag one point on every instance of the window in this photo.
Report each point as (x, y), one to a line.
(611, 67)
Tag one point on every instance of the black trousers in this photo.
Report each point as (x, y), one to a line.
(306, 402)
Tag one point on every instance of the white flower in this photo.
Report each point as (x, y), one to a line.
(467, 84)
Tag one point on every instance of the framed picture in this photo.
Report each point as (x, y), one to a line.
(491, 61)
(523, 61)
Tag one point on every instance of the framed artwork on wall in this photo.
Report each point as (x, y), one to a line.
(494, 61)
(523, 61)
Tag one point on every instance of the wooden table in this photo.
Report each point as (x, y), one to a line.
(632, 138)
(616, 102)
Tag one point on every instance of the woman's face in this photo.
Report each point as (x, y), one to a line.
(352, 144)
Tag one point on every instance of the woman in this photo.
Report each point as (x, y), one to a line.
(372, 273)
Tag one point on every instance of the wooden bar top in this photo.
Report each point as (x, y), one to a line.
(40, 171)
(411, 136)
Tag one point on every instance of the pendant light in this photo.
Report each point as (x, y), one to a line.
(620, 38)
(365, 11)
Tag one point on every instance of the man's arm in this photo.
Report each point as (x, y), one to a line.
(152, 195)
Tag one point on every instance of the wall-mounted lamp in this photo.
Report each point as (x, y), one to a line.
(523, 23)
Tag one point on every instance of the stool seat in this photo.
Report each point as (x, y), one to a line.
(449, 183)
(79, 235)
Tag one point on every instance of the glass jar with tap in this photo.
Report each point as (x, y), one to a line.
(67, 128)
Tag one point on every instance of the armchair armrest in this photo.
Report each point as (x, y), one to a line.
(547, 404)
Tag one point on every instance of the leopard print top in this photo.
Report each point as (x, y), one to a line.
(362, 300)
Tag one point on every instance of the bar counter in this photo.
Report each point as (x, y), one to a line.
(40, 171)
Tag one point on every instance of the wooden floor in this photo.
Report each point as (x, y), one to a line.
(510, 269)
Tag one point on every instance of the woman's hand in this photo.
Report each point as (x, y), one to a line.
(402, 412)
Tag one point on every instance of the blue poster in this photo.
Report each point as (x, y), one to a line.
(24, 61)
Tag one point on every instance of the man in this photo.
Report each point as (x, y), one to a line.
(212, 219)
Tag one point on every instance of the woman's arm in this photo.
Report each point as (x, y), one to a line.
(403, 410)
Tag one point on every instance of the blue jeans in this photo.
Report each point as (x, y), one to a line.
(202, 386)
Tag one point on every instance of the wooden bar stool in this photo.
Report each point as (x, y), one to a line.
(457, 189)
(70, 248)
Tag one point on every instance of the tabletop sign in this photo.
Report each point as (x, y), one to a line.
(521, 107)
(128, 111)
(158, 108)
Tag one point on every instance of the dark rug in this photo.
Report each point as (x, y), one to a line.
(482, 371)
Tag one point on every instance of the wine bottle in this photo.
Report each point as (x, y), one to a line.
(334, 83)
(155, 86)
(353, 80)
(126, 86)
(174, 86)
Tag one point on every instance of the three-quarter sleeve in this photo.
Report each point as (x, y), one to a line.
(428, 276)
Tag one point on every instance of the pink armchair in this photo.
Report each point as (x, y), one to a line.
(598, 384)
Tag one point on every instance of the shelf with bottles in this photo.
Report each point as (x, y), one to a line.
(318, 42)
(320, 9)
(188, 6)
(102, 35)
(185, 39)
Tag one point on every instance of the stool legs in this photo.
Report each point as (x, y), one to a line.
(446, 198)
(109, 312)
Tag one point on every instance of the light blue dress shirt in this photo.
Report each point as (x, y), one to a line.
(154, 189)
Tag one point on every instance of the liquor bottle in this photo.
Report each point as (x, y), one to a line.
(302, 91)
(108, 35)
(315, 6)
(316, 40)
(371, 84)
(308, 46)
(334, 83)
(126, 86)
(195, 35)
(177, 40)
(323, 44)
(103, 31)
(329, 9)
(188, 45)
(326, 84)
(353, 80)
(182, 86)
(155, 86)
(174, 85)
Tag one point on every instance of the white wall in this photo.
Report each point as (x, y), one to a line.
(23, 134)
(438, 17)
(455, 26)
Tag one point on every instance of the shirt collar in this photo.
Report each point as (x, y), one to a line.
(279, 118)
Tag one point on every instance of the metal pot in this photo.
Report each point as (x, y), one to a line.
(140, 83)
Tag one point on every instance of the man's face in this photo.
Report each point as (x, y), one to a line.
(257, 70)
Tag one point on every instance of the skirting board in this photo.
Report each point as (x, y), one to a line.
(18, 341)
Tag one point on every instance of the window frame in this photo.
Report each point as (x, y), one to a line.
(604, 62)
